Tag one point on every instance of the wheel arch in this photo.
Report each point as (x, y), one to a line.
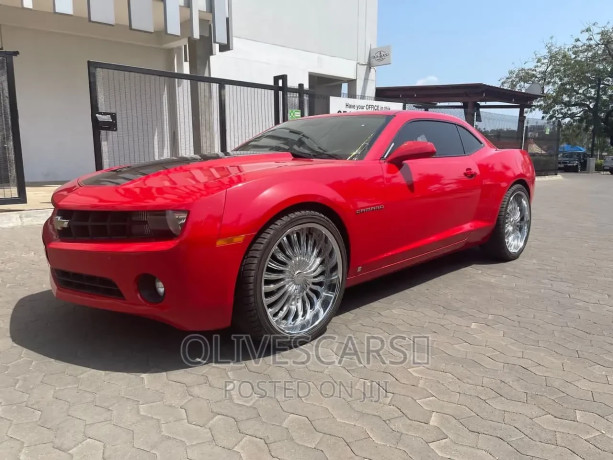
(324, 209)
(522, 182)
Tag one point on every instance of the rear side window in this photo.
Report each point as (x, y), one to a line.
(471, 143)
(444, 136)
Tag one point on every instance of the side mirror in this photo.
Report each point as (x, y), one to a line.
(410, 150)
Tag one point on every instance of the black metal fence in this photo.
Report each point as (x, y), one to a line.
(12, 182)
(141, 114)
(540, 138)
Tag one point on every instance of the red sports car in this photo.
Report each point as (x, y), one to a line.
(268, 236)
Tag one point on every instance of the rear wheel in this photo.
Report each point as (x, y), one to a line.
(292, 278)
(512, 229)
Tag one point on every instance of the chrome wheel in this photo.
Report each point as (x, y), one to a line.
(517, 222)
(302, 278)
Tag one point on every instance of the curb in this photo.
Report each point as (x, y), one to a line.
(11, 219)
(548, 178)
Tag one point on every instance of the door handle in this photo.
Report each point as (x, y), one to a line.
(470, 173)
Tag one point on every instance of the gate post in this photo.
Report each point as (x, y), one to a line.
(280, 82)
(223, 138)
(557, 150)
(93, 103)
(15, 134)
(301, 99)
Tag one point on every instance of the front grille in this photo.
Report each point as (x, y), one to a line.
(87, 283)
(87, 225)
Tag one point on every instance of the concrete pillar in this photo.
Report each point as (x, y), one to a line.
(364, 85)
(521, 126)
(202, 100)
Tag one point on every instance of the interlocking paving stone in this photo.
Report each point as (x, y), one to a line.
(334, 447)
(425, 431)
(565, 426)
(499, 448)
(290, 450)
(521, 362)
(448, 448)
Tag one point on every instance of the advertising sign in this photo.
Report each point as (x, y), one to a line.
(380, 56)
(347, 104)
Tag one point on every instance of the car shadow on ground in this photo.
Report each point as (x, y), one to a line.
(110, 341)
(378, 289)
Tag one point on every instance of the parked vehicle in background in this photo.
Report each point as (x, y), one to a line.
(267, 237)
(608, 164)
(572, 161)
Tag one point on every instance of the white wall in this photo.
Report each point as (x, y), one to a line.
(325, 37)
(53, 96)
(260, 62)
(326, 27)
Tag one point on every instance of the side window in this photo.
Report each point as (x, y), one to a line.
(470, 142)
(443, 135)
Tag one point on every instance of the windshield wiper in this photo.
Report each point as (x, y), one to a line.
(265, 148)
(314, 155)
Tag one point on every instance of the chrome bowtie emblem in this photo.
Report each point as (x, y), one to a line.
(60, 223)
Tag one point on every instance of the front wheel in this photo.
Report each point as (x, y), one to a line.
(512, 229)
(292, 278)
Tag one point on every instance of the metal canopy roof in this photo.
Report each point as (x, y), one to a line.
(465, 92)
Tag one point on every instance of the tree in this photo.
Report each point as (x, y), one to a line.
(569, 76)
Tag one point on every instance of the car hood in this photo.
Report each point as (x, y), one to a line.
(179, 180)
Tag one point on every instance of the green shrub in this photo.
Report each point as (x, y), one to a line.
(599, 165)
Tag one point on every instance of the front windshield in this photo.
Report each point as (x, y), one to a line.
(336, 137)
(569, 155)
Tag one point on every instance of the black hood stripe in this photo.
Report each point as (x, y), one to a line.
(129, 173)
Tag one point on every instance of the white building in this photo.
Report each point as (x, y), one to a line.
(320, 43)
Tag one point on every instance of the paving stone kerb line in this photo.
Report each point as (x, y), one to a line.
(520, 366)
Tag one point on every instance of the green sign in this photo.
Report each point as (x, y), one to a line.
(294, 114)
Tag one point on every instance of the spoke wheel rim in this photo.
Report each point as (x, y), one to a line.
(302, 278)
(517, 222)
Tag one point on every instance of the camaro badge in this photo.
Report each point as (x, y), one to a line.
(371, 208)
(60, 223)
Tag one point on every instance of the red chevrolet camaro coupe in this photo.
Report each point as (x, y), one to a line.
(268, 236)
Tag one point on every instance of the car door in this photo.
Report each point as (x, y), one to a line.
(434, 200)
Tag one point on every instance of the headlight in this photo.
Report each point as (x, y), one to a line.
(162, 223)
(176, 221)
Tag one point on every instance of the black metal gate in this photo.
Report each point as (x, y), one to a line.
(12, 182)
(142, 114)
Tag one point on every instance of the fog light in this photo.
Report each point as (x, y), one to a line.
(150, 288)
(159, 287)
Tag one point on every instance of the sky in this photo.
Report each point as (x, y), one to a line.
(476, 41)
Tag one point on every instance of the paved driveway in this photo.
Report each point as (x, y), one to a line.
(520, 362)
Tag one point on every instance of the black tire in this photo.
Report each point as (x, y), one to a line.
(611, 171)
(250, 315)
(496, 246)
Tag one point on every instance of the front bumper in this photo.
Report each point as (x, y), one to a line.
(199, 277)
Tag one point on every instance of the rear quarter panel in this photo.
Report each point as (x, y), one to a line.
(499, 170)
